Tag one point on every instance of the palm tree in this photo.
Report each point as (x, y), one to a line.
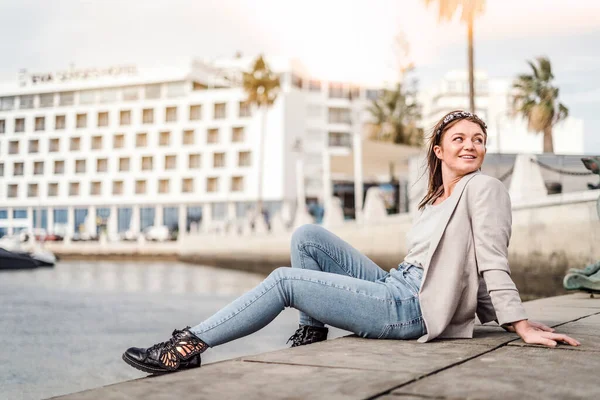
(537, 100)
(470, 10)
(396, 115)
(261, 86)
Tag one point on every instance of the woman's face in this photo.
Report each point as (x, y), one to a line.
(462, 148)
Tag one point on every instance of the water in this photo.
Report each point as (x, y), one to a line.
(63, 329)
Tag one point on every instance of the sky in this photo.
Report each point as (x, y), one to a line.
(351, 40)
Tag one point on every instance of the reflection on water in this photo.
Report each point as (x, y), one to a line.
(130, 276)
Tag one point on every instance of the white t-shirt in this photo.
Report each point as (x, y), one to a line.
(419, 236)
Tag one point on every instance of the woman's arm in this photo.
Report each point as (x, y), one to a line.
(491, 219)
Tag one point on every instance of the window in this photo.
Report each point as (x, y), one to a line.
(1, 169)
(237, 134)
(66, 99)
(38, 168)
(59, 122)
(244, 110)
(175, 89)
(140, 186)
(141, 140)
(34, 146)
(373, 94)
(18, 169)
(339, 115)
(96, 142)
(88, 96)
(95, 188)
(338, 91)
(75, 144)
(47, 100)
(117, 187)
(340, 139)
(244, 159)
(170, 162)
(2, 126)
(19, 124)
(118, 141)
(52, 189)
(80, 166)
(163, 186)
(314, 86)
(102, 119)
(212, 185)
(32, 190)
(54, 145)
(102, 165)
(108, 95)
(220, 111)
(171, 114)
(296, 81)
(59, 167)
(26, 102)
(124, 164)
(12, 190)
(7, 103)
(81, 121)
(212, 135)
(74, 189)
(219, 160)
(194, 161)
(188, 137)
(187, 185)
(125, 117)
(195, 112)
(147, 163)
(237, 183)
(164, 138)
(152, 91)
(40, 123)
(148, 116)
(13, 147)
(131, 93)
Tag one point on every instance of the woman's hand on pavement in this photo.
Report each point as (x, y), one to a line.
(538, 333)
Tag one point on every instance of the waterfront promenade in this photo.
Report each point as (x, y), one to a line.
(494, 365)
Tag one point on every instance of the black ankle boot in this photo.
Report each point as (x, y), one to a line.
(182, 351)
(306, 334)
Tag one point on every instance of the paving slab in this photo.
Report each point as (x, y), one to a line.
(249, 381)
(406, 359)
(516, 373)
(574, 300)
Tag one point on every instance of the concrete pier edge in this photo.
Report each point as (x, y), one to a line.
(494, 364)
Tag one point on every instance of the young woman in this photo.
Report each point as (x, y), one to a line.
(456, 268)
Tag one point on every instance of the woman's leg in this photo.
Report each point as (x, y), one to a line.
(356, 305)
(315, 248)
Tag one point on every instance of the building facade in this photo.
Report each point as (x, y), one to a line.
(124, 149)
(506, 133)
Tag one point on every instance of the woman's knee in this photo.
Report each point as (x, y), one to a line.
(307, 233)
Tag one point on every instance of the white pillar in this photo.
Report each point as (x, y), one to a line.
(327, 189)
(92, 227)
(134, 225)
(358, 172)
(70, 221)
(10, 221)
(30, 218)
(158, 215)
(182, 220)
(112, 228)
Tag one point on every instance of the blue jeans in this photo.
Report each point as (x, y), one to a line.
(332, 283)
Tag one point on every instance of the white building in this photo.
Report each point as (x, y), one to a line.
(128, 148)
(506, 134)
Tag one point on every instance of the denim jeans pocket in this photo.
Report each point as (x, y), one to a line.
(412, 329)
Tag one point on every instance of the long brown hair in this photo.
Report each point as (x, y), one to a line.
(434, 165)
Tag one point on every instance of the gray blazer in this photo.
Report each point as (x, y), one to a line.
(467, 271)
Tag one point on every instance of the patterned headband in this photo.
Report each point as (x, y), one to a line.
(456, 115)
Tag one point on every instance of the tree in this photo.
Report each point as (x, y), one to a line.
(469, 10)
(396, 115)
(537, 100)
(261, 86)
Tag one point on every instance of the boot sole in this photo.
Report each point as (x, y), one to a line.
(143, 367)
